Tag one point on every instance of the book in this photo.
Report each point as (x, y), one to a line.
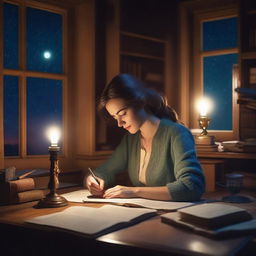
(21, 185)
(27, 196)
(207, 148)
(83, 195)
(19, 191)
(213, 215)
(210, 216)
(248, 145)
(93, 222)
(7, 174)
(244, 228)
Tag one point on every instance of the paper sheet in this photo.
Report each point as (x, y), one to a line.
(83, 196)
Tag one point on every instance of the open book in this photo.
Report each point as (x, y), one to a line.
(93, 222)
(214, 220)
(84, 195)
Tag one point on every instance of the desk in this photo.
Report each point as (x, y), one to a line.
(151, 237)
(215, 164)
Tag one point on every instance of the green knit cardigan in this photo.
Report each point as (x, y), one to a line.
(173, 162)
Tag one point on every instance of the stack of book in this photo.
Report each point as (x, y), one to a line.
(19, 191)
(205, 143)
(213, 220)
(248, 145)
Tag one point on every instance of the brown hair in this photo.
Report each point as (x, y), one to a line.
(133, 91)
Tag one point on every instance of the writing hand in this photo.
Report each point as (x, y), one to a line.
(120, 192)
(94, 187)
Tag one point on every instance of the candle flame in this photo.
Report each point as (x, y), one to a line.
(54, 135)
(204, 106)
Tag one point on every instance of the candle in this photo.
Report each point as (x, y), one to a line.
(54, 136)
(204, 106)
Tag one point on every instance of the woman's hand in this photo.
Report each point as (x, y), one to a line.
(95, 188)
(120, 191)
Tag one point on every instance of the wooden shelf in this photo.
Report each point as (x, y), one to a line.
(226, 155)
(146, 56)
(154, 39)
(248, 103)
(248, 55)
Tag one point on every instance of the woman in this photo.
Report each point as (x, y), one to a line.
(158, 152)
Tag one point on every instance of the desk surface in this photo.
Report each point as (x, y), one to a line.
(151, 235)
(226, 155)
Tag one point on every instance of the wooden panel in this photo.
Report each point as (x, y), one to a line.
(210, 168)
(247, 62)
(84, 82)
(1, 96)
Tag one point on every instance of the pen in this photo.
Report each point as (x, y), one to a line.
(93, 175)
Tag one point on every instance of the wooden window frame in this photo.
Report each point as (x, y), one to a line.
(23, 160)
(199, 55)
(191, 63)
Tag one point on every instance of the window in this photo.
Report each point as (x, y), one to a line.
(215, 71)
(218, 36)
(34, 77)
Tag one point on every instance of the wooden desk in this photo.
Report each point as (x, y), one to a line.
(151, 237)
(215, 164)
(226, 155)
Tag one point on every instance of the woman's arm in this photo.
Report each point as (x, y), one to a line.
(117, 163)
(190, 182)
(157, 193)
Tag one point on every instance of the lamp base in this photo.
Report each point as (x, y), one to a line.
(52, 200)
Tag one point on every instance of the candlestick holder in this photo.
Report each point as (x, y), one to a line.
(203, 124)
(52, 199)
(204, 141)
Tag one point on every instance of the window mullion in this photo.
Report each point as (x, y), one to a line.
(22, 122)
(1, 97)
(22, 37)
(22, 80)
(219, 52)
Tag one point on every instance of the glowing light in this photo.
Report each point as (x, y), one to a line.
(47, 55)
(204, 106)
(53, 134)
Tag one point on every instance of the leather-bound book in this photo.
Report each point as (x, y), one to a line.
(211, 216)
(19, 191)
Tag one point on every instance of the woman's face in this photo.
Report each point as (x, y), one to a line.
(125, 116)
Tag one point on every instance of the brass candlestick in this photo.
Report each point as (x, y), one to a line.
(52, 199)
(204, 123)
(204, 141)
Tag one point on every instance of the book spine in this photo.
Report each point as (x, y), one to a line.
(28, 196)
(21, 185)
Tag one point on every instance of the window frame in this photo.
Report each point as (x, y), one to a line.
(198, 56)
(22, 74)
